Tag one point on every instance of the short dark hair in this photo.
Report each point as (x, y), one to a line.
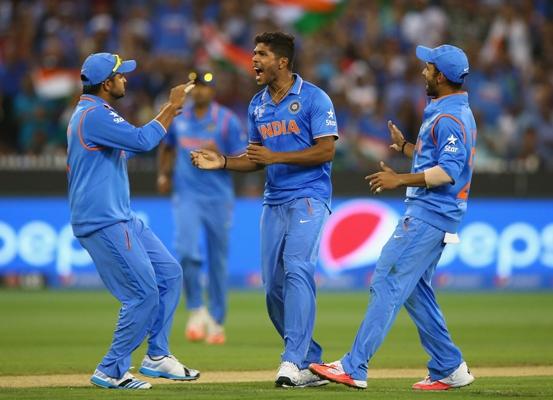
(454, 85)
(92, 89)
(280, 43)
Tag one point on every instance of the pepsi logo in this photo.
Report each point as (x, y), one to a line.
(355, 234)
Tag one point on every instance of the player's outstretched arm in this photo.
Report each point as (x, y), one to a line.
(388, 179)
(398, 141)
(177, 96)
(209, 159)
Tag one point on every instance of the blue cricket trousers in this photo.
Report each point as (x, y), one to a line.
(290, 238)
(193, 218)
(403, 276)
(141, 273)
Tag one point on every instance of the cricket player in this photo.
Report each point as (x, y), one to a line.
(437, 193)
(132, 262)
(202, 202)
(292, 129)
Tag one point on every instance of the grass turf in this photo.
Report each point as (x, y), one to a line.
(51, 332)
(61, 332)
(385, 389)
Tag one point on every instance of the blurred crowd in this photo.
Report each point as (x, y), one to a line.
(363, 56)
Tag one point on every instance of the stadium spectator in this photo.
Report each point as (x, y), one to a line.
(505, 40)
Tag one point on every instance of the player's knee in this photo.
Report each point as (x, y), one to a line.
(149, 299)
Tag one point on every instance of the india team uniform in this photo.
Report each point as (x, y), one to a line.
(132, 262)
(296, 206)
(404, 271)
(204, 201)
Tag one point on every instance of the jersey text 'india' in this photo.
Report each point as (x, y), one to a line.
(277, 128)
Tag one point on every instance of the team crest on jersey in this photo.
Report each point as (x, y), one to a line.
(259, 111)
(294, 107)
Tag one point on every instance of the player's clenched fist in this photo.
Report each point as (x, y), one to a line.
(178, 93)
(259, 154)
(207, 159)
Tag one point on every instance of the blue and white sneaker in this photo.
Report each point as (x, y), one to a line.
(167, 367)
(128, 381)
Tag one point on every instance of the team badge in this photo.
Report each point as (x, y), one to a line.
(294, 107)
(259, 111)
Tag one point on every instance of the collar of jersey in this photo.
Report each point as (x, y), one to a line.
(456, 96)
(93, 98)
(296, 88)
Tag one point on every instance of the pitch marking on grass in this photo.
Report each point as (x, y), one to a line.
(259, 376)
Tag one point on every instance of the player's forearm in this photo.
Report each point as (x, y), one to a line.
(166, 158)
(409, 149)
(413, 180)
(166, 115)
(241, 163)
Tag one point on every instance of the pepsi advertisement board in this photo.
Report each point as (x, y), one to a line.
(505, 244)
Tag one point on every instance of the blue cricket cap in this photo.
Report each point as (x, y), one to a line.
(100, 66)
(450, 60)
(202, 77)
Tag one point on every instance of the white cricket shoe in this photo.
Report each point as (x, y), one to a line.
(215, 332)
(196, 325)
(128, 381)
(167, 367)
(290, 376)
(287, 375)
(459, 378)
(307, 378)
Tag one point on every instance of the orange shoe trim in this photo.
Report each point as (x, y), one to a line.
(323, 370)
(435, 385)
(194, 335)
(218, 338)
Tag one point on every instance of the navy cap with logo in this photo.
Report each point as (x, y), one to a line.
(100, 66)
(202, 77)
(450, 61)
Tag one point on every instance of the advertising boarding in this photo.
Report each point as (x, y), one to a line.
(505, 244)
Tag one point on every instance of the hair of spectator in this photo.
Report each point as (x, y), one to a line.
(280, 43)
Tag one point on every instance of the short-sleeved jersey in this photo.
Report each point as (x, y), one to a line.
(303, 115)
(446, 138)
(99, 142)
(219, 127)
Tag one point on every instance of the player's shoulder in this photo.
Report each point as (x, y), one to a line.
(310, 87)
(313, 92)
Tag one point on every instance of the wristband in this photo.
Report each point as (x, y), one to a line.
(403, 146)
(225, 164)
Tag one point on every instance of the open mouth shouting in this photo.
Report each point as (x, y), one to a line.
(259, 73)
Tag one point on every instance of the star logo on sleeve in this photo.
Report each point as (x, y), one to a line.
(116, 118)
(451, 146)
(330, 114)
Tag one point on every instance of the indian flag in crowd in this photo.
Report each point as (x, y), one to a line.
(55, 83)
(218, 47)
(307, 16)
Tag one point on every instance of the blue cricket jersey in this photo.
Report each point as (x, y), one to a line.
(447, 137)
(304, 115)
(219, 127)
(99, 142)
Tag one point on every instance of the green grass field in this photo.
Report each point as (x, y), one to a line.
(59, 332)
